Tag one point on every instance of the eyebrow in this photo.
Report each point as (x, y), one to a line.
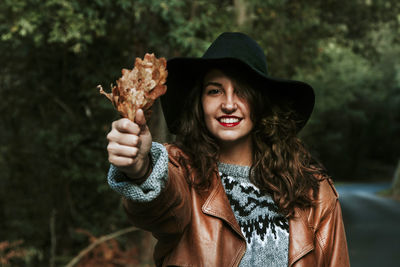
(212, 83)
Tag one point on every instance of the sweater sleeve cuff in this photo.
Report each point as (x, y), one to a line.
(149, 189)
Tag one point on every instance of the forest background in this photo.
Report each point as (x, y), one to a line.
(54, 199)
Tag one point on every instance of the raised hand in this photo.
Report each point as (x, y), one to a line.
(129, 145)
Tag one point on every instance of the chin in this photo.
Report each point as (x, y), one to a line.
(230, 138)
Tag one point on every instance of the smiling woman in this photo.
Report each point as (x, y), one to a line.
(237, 188)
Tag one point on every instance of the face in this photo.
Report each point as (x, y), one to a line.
(226, 113)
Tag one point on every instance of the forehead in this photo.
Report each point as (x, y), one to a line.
(214, 74)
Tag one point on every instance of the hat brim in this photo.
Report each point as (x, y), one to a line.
(184, 72)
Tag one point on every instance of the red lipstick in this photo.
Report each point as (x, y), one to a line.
(229, 121)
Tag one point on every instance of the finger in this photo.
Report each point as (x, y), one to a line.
(119, 161)
(126, 126)
(123, 138)
(122, 151)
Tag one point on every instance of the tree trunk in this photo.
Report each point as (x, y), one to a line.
(241, 11)
(396, 182)
(158, 126)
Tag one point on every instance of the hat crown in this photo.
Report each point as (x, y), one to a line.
(238, 46)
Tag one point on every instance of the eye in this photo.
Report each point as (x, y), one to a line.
(213, 88)
(213, 91)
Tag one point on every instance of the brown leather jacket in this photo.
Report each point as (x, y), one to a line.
(198, 228)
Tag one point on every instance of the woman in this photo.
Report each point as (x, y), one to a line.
(237, 188)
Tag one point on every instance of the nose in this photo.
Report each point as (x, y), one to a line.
(229, 105)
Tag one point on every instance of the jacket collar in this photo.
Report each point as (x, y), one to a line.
(217, 205)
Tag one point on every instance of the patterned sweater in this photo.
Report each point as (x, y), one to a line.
(266, 231)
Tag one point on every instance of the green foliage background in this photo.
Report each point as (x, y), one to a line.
(53, 121)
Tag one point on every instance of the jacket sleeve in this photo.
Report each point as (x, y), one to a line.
(331, 237)
(168, 213)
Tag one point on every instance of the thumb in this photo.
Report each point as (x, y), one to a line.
(140, 119)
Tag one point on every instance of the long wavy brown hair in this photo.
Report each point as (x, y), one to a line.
(282, 166)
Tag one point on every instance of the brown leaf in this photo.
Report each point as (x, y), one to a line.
(140, 87)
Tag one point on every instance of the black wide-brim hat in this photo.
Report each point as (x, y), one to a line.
(238, 50)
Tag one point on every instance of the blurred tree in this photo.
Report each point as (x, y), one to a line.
(54, 122)
(357, 108)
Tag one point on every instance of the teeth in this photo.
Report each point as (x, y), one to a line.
(229, 120)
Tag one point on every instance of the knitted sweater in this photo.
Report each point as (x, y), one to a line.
(265, 230)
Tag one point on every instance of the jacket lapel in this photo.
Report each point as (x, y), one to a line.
(217, 205)
(300, 237)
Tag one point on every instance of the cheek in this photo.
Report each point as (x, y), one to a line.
(207, 107)
(208, 114)
(245, 107)
(247, 112)
(208, 117)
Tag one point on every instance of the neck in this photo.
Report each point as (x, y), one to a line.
(239, 152)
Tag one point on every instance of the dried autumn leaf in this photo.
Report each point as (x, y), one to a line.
(140, 87)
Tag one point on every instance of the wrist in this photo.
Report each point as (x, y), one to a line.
(145, 171)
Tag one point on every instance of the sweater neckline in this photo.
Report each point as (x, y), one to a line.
(234, 170)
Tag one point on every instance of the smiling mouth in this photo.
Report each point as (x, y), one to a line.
(229, 121)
